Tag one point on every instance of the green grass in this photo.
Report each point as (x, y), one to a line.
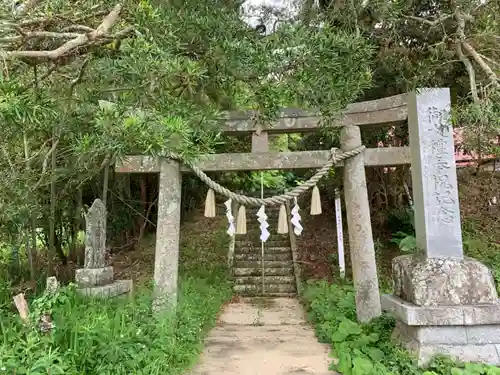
(121, 336)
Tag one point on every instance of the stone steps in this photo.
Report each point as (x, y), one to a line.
(257, 271)
(279, 279)
(258, 250)
(270, 290)
(254, 237)
(256, 243)
(254, 234)
(257, 257)
(253, 280)
(269, 264)
(251, 286)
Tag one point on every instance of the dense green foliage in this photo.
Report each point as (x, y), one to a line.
(367, 349)
(121, 336)
(159, 81)
(118, 336)
(423, 43)
(168, 70)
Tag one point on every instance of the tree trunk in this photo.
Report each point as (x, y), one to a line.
(105, 184)
(52, 216)
(30, 249)
(58, 246)
(144, 206)
(78, 221)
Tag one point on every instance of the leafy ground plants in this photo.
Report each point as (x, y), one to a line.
(122, 336)
(367, 349)
(116, 337)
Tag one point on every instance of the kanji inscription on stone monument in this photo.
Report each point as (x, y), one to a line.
(437, 213)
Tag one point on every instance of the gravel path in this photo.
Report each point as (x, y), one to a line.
(263, 337)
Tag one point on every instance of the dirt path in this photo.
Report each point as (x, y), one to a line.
(263, 337)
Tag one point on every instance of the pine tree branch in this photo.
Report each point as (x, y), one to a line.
(79, 76)
(470, 71)
(490, 60)
(77, 40)
(479, 60)
(460, 17)
(464, 59)
(429, 22)
(45, 162)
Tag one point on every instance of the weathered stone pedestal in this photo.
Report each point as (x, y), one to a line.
(447, 307)
(95, 279)
(98, 282)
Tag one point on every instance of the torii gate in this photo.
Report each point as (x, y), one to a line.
(444, 302)
(391, 110)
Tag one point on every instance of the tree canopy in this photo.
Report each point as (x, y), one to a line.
(427, 43)
(86, 82)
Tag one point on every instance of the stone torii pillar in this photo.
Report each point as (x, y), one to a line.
(167, 235)
(359, 224)
(444, 303)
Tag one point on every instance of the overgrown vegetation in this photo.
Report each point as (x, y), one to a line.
(155, 77)
(367, 349)
(79, 90)
(120, 336)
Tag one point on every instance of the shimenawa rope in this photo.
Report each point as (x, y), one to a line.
(278, 199)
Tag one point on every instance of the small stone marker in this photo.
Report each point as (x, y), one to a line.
(22, 306)
(340, 235)
(433, 170)
(52, 285)
(95, 236)
(95, 278)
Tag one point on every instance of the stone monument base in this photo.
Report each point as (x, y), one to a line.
(113, 289)
(88, 277)
(445, 306)
(468, 333)
(442, 282)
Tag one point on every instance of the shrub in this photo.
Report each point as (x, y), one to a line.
(118, 336)
(366, 349)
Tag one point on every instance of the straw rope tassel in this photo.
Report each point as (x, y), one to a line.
(241, 221)
(210, 204)
(282, 220)
(315, 202)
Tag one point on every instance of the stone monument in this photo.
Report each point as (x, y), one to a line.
(444, 302)
(96, 279)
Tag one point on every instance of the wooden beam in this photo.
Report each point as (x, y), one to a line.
(291, 120)
(388, 156)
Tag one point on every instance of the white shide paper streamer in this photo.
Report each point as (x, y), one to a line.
(262, 219)
(295, 220)
(231, 230)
